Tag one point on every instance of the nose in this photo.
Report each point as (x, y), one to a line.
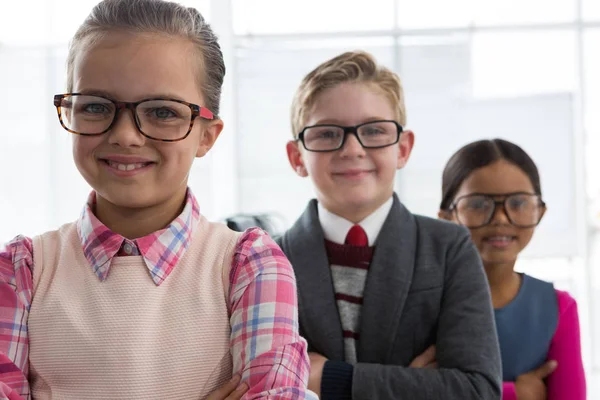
(124, 131)
(352, 147)
(500, 216)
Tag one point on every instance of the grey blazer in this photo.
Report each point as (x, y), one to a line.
(426, 285)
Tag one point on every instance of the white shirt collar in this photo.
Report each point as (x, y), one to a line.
(335, 228)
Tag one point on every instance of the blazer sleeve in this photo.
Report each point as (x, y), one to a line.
(468, 352)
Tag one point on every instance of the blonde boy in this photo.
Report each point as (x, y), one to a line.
(382, 292)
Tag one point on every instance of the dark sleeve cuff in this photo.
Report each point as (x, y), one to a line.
(336, 382)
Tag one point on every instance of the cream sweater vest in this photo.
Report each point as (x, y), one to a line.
(126, 338)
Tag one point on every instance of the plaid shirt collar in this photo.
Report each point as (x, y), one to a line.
(160, 250)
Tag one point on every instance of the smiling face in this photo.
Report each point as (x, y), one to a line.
(352, 182)
(125, 168)
(499, 242)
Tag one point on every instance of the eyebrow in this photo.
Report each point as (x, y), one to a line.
(337, 122)
(489, 194)
(110, 96)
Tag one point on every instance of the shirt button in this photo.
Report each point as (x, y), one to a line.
(127, 248)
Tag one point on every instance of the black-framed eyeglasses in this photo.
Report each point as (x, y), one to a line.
(167, 120)
(329, 137)
(523, 210)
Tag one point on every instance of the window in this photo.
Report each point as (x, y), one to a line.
(283, 17)
(43, 22)
(591, 71)
(523, 63)
(433, 14)
(590, 10)
(506, 12)
(30, 28)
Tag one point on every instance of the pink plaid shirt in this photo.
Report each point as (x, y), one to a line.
(264, 334)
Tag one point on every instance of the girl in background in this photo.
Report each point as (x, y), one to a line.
(493, 188)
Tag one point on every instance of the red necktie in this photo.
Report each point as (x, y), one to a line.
(357, 236)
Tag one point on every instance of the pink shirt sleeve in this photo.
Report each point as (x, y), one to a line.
(509, 391)
(265, 343)
(568, 380)
(16, 261)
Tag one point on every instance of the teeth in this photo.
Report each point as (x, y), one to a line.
(125, 167)
(500, 238)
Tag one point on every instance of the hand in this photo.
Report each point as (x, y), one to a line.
(425, 359)
(531, 386)
(228, 391)
(317, 362)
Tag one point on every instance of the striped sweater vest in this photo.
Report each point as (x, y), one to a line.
(349, 267)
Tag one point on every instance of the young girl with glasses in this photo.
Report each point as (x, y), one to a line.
(142, 297)
(493, 188)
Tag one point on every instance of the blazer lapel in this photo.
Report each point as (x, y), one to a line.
(388, 282)
(304, 245)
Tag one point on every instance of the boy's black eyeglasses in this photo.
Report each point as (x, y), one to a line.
(167, 120)
(329, 137)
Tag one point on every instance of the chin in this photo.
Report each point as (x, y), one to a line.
(498, 260)
(359, 203)
(127, 198)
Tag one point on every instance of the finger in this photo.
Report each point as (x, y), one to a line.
(223, 391)
(433, 365)
(428, 355)
(238, 393)
(424, 358)
(546, 369)
(430, 352)
(418, 362)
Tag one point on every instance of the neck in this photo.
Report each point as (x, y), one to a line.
(354, 214)
(504, 283)
(134, 223)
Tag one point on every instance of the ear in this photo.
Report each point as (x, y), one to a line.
(406, 143)
(543, 213)
(446, 215)
(210, 133)
(295, 158)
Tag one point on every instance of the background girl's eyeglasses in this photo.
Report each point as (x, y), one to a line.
(523, 210)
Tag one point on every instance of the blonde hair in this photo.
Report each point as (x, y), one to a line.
(160, 17)
(353, 66)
